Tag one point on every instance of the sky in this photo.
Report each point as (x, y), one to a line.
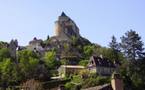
(97, 20)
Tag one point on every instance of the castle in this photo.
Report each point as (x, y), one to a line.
(65, 28)
(66, 35)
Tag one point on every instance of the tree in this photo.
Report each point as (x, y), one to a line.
(48, 37)
(132, 46)
(50, 60)
(139, 81)
(9, 74)
(3, 44)
(88, 50)
(28, 62)
(4, 53)
(84, 62)
(115, 47)
(106, 52)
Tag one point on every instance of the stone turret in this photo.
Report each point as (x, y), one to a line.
(12, 47)
(65, 28)
(117, 82)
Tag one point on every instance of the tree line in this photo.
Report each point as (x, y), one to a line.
(30, 65)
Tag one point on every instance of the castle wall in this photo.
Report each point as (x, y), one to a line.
(65, 28)
(57, 29)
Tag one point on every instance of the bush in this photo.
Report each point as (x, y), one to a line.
(83, 62)
(94, 81)
(69, 86)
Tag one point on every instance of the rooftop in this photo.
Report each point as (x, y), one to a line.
(100, 61)
(72, 66)
(63, 14)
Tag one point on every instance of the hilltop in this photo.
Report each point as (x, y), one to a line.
(66, 37)
(72, 60)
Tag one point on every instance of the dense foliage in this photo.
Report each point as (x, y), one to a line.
(31, 65)
(91, 80)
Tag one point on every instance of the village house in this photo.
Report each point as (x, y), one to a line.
(101, 66)
(67, 70)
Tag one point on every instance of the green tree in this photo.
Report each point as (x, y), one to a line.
(3, 44)
(88, 50)
(9, 73)
(50, 60)
(28, 62)
(48, 37)
(132, 46)
(115, 47)
(4, 53)
(84, 62)
(139, 78)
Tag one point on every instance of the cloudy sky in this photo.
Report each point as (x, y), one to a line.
(97, 20)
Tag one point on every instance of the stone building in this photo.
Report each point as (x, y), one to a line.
(65, 28)
(101, 66)
(117, 81)
(67, 70)
(36, 45)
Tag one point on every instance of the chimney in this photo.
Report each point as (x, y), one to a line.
(116, 82)
(101, 56)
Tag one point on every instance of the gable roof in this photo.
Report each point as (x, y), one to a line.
(102, 62)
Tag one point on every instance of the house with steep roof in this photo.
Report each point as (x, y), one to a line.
(101, 66)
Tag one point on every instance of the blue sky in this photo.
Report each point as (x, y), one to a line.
(98, 20)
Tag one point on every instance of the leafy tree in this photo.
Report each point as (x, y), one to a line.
(50, 59)
(106, 53)
(4, 53)
(69, 86)
(94, 81)
(9, 73)
(132, 46)
(28, 62)
(88, 50)
(139, 78)
(3, 44)
(83, 62)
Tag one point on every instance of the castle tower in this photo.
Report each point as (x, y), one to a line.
(57, 29)
(58, 24)
(117, 82)
(65, 27)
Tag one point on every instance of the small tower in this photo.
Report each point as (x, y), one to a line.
(58, 24)
(117, 82)
(57, 29)
(13, 48)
